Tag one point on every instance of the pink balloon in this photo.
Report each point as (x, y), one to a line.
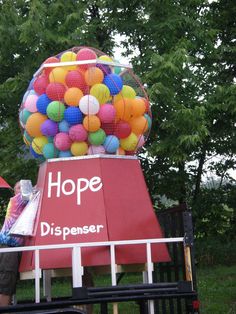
(107, 113)
(30, 103)
(62, 141)
(141, 141)
(96, 150)
(78, 133)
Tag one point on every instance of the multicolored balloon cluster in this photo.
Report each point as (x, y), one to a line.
(81, 102)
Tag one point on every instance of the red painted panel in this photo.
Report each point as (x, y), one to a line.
(92, 200)
(129, 210)
(4, 184)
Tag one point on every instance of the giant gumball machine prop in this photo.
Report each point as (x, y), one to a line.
(85, 117)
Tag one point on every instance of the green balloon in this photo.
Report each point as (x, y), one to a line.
(50, 151)
(24, 115)
(50, 139)
(117, 70)
(97, 138)
(55, 111)
(28, 137)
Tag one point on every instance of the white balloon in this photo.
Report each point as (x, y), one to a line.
(89, 105)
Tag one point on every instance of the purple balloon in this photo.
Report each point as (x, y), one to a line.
(49, 128)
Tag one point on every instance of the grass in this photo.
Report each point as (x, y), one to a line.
(216, 287)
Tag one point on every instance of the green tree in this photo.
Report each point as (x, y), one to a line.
(30, 32)
(185, 52)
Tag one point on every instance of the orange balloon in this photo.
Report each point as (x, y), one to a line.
(120, 151)
(139, 125)
(72, 96)
(138, 107)
(33, 124)
(93, 76)
(123, 109)
(92, 123)
(58, 75)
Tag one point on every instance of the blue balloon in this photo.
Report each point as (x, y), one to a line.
(73, 115)
(114, 83)
(65, 153)
(149, 120)
(64, 126)
(33, 153)
(111, 144)
(32, 83)
(42, 103)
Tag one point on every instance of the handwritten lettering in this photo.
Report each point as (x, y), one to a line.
(69, 186)
(47, 229)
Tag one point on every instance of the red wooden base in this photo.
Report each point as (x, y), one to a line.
(91, 199)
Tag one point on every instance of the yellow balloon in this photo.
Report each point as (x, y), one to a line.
(38, 143)
(129, 143)
(79, 148)
(105, 58)
(57, 75)
(68, 56)
(126, 92)
(105, 67)
(101, 92)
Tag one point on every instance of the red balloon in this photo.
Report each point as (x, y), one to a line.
(50, 60)
(108, 128)
(40, 84)
(76, 79)
(122, 130)
(55, 91)
(131, 152)
(86, 54)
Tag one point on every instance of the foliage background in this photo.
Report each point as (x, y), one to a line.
(184, 52)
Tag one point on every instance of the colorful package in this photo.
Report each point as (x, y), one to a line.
(14, 209)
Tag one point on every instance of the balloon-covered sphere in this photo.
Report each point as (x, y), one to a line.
(84, 102)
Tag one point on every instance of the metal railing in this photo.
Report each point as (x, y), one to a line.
(77, 268)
